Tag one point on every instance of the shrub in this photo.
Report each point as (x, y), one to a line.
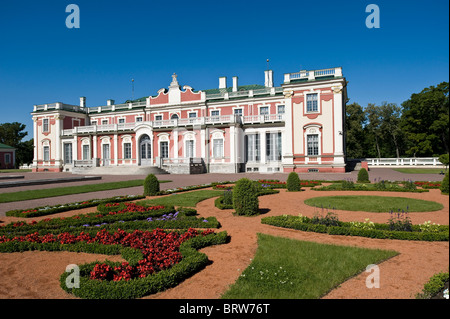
(293, 182)
(151, 185)
(444, 159)
(444, 186)
(363, 176)
(245, 197)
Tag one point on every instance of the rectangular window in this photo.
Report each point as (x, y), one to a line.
(215, 113)
(313, 144)
(104, 122)
(86, 152)
(46, 153)
(164, 149)
(67, 153)
(273, 146)
(312, 102)
(45, 127)
(238, 112)
(139, 119)
(253, 148)
(189, 148)
(264, 110)
(192, 115)
(158, 117)
(7, 158)
(280, 109)
(218, 148)
(93, 122)
(127, 150)
(121, 121)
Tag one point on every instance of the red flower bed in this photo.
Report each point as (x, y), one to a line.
(160, 249)
(428, 184)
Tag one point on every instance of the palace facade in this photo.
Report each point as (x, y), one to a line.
(298, 126)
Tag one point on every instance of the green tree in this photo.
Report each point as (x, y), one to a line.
(373, 129)
(425, 121)
(355, 120)
(390, 126)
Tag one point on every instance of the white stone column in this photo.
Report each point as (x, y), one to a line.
(287, 147)
(36, 143)
(175, 142)
(58, 152)
(116, 150)
(338, 125)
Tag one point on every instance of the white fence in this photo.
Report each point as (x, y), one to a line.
(409, 161)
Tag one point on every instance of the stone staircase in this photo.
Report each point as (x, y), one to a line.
(119, 170)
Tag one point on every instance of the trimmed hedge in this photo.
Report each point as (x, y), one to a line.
(151, 185)
(293, 182)
(381, 231)
(434, 286)
(445, 185)
(245, 197)
(363, 176)
(192, 261)
(48, 210)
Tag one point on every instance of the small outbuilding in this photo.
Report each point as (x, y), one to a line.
(7, 156)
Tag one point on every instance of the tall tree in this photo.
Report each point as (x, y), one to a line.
(425, 121)
(373, 129)
(355, 119)
(390, 126)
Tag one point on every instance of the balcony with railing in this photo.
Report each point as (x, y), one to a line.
(184, 122)
(312, 75)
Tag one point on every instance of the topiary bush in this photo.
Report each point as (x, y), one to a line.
(245, 198)
(363, 176)
(444, 186)
(293, 182)
(151, 185)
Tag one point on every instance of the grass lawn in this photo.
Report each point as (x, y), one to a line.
(291, 269)
(419, 170)
(377, 204)
(62, 191)
(185, 199)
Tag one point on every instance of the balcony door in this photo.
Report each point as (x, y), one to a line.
(106, 155)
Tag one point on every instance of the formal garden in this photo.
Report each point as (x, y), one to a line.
(302, 252)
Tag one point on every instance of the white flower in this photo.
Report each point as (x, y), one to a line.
(446, 293)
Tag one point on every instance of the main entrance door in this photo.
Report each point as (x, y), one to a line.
(145, 147)
(106, 155)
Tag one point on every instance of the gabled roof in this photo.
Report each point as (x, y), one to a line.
(4, 146)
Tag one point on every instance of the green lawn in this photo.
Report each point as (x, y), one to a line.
(419, 170)
(185, 199)
(290, 269)
(63, 191)
(378, 204)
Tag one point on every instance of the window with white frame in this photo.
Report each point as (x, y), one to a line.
(238, 112)
(127, 150)
(67, 153)
(139, 119)
(312, 141)
(7, 158)
(86, 152)
(312, 102)
(46, 151)
(253, 147)
(104, 122)
(192, 115)
(190, 148)
(45, 127)
(121, 121)
(93, 122)
(280, 109)
(263, 110)
(158, 117)
(218, 148)
(273, 146)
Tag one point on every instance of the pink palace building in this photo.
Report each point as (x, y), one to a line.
(298, 126)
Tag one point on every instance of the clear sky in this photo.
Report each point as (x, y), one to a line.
(43, 61)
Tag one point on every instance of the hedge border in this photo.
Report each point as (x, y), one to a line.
(192, 261)
(434, 286)
(345, 230)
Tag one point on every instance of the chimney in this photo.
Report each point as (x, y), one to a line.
(235, 83)
(268, 82)
(223, 82)
(83, 101)
(110, 102)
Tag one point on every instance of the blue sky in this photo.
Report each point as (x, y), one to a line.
(42, 61)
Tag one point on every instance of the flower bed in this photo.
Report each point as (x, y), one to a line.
(48, 210)
(373, 230)
(190, 188)
(428, 185)
(381, 186)
(155, 259)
